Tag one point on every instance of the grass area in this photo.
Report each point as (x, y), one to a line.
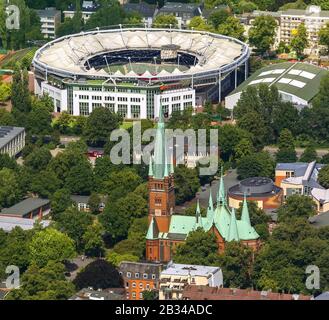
(12, 58)
(126, 125)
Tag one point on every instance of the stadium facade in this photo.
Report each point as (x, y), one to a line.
(131, 71)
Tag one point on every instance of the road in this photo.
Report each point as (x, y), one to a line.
(299, 151)
(76, 265)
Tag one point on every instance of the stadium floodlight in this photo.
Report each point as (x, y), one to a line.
(107, 63)
(131, 67)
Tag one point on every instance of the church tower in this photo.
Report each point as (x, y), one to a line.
(161, 195)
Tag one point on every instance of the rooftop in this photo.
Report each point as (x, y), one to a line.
(24, 207)
(144, 9)
(9, 223)
(299, 79)
(188, 269)
(320, 220)
(48, 12)
(180, 7)
(8, 133)
(106, 294)
(148, 268)
(310, 11)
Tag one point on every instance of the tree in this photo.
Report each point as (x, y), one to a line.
(165, 21)
(45, 183)
(46, 283)
(324, 36)
(38, 159)
(286, 151)
(94, 203)
(93, 241)
(7, 118)
(186, 183)
(262, 33)
(254, 123)
(5, 92)
(9, 188)
(218, 17)
(236, 263)
(20, 96)
(116, 258)
(297, 206)
(99, 274)
(256, 165)
(7, 162)
(150, 295)
(60, 201)
(299, 40)
(198, 23)
(50, 244)
(309, 154)
(75, 224)
(199, 248)
(99, 126)
(232, 27)
(323, 177)
(243, 148)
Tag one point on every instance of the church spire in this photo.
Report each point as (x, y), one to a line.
(198, 216)
(233, 234)
(221, 199)
(245, 211)
(160, 146)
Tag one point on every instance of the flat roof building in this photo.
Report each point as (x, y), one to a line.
(8, 223)
(297, 82)
(50, 18)
(87, 9)
(30, 208)
(176, 277)
(12, 140)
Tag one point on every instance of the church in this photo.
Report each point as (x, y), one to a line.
(167, 230)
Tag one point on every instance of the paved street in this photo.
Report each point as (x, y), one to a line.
(75, 265)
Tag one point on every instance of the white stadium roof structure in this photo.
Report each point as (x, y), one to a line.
(68, 56)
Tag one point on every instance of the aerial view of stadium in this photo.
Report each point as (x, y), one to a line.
(131, 71)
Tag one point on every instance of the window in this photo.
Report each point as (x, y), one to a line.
(141, 285)
(122, 110)
(135, 111)
(97, 98)
(125, 99)
(133, 295)
(96, 105)
(128, 274)
(83, 97)
(145, 276)
(147, 286)
(109, 98)
(136, 275)
(84, 108)
(153, 276)
(110, 106)
(141, 295)
(135, 99)
(134, 284)
(175, 107)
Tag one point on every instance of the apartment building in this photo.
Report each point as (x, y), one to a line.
(87, 9)
(314, 19)
(50, 18)
(176, 277)
(139, 277)
(12, 140)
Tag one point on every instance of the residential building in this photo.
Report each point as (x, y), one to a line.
(297, 178)
(30, 208)
(50, 18)
(139, 277)
(113, 294)
(195, 292)
(297, 82)
(183, 12)
(314, 19)
(12, 140)
(145, 10)
(175, 278)
(82, 202)
(87, 9)
(262, 190)
(8, 223)
(167, 230)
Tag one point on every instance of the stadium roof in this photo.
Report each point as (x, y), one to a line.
(298, 79)
(66, 56)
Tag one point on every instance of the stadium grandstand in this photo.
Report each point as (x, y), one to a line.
(132, 70)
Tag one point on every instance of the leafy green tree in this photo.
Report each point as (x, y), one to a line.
(325, 159)
(284, 115)
(39, 119)
(236, 262)
(297, 206)
(116, 258)
(60, 201)
(7, 118)
(20, 96)
(299, 41)
(99, 126)
(286, 151)
(94, 203)
(9, 188)
(199, 248)
(309, 154)
(232, 27)
(38, 159)
(150, 295)
(46, 283)
(7, 162)
(5, 92)
(218, 17)
(262, 33)
(45, 183)
(165, 21)
(99, 274)
(186, 183)
(323, 177)
(75, 224)
(93, 241)
(324, 36)
(198, 23)
(321, 99)
(243, 148)
(51, 244)
(256, 165)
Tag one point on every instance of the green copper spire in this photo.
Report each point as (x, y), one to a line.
(245, 212)
(221, 199)
(152, 232)
(198, 217)
(159, 148)
(211, 203)
(151, 167)
(233, 234)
